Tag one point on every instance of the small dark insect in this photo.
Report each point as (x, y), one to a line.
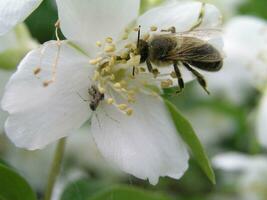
(96, 97)
(188, 49)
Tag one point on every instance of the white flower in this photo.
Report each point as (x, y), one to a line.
(12, 12)
(4, 76)
(245, 59)
(250, 170)
(144, 144)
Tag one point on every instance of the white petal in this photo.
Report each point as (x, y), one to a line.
(88, 21)
(13, 12)
(145, 144)
(254, 55)
(83, 151)
(229, 8)
(40, 115)
(231, 161)
(261, 125)
(4, 76)
(181, 15)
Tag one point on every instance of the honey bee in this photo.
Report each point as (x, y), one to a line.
(189, 49)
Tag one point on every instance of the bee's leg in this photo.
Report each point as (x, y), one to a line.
(200, 17)
(152, 70)
(179, 76)
(199, 77)
(171, 29)
(149, 66)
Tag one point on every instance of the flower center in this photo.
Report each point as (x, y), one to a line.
(113, 76)
(118, 74)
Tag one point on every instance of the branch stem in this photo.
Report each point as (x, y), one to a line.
(55, 168)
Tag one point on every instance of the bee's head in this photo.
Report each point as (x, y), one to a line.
(143, 50)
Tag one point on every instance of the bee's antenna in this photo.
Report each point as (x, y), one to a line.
(138, 37)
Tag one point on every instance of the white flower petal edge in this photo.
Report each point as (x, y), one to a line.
(40, 115)
(261, 125)
(181, 15)
(4, 77)
(13, 12)
(145, 144)
(87, 21)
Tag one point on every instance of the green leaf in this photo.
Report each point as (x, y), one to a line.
(82, 189)
(121, 192)
(13, 186)
(189, 136)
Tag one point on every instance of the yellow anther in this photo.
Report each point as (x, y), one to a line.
(134, 60)
(128, 46)
(166, 83)
(95, 61)
(110, 101)
(153, 28)
(107, 69)
(110, 48)
(129, 112)
(123, 90)
(101, 89)
(112, 77)
(117, 85)
(98, 44)
(124, 55)
(96, 76)
(109, 40)
(125, 37)
(36, 70)
(122, 106)
(123, 83)
(131, 99)
(112, 60)
(146, 36)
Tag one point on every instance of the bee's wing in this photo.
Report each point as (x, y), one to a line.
(203, 34)
(194, 49)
